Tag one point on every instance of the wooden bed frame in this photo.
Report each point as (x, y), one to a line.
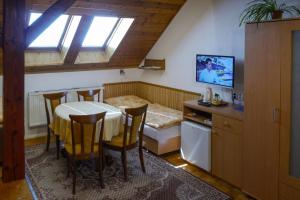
(159, 148)
(169, 97)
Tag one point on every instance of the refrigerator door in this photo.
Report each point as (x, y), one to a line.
(196, 144)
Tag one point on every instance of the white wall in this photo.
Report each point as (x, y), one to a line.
(68, 80)
(200, 27)
(54, 81)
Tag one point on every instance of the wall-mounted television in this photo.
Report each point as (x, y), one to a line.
(217, 70)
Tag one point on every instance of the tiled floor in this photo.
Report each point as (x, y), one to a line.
(20, 190)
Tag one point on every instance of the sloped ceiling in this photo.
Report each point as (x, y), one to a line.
(151, 18)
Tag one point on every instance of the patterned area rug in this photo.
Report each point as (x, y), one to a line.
(161, 181)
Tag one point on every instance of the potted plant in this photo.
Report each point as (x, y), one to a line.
(259, 10)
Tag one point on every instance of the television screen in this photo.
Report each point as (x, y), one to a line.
(217, 70)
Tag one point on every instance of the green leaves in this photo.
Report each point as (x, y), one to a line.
(260, 10)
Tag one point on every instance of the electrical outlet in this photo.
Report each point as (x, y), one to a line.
(122, 72)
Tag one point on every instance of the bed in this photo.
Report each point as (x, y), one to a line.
(162, 129)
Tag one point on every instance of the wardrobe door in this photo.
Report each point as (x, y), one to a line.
(290, 112)
(261, 118)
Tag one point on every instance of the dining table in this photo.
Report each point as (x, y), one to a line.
(62, 122)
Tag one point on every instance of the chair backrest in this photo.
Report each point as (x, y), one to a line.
(88, 95)
(84, 130)
(138, 117)
(55, 100)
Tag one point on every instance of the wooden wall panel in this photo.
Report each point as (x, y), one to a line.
(166, 96)
(120, 89)
(163, 95)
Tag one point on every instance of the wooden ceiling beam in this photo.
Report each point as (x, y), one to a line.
(120, 8)
(74, 67)
(78, 39)
(13, 90)
(177, 2)
(167, 4)
(48, 17)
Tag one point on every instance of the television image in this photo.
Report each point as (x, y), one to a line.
(217, 70)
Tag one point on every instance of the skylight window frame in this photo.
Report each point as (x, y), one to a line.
(50, 49)
(104, 46)
(59, 48)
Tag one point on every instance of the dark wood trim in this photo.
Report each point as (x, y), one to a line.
(13, 90)
(92, 49)
(128, 8)
(42, 49)
(118, 83)
(73, 68)
(80, 34)
(48, 17)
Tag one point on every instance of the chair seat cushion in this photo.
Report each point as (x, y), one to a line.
(87, 151)
(118, 140)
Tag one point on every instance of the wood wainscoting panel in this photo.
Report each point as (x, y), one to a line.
(120, 89)
(167, 96)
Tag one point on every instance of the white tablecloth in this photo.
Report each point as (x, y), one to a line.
(62, 123)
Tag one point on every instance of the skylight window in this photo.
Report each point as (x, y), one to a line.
(100, 31)
(104, 34)
(51, 37)
(74, 23)
(120, 32)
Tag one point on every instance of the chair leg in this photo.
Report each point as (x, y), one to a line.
(68, 166)
(97, 164)
(100, 160)
(103, 159)
(48, 139)
(142, 159)
(124, 161)
(57, 146)
(74, 177)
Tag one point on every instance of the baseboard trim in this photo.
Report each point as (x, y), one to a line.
(37, 140)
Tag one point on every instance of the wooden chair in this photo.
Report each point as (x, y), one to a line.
(130, 136)
(88, 95)
(83, 147)
(55, 100)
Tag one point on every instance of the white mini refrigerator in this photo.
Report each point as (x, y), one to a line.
(196, 144)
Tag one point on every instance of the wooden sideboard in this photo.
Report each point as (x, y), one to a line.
(227, 130)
